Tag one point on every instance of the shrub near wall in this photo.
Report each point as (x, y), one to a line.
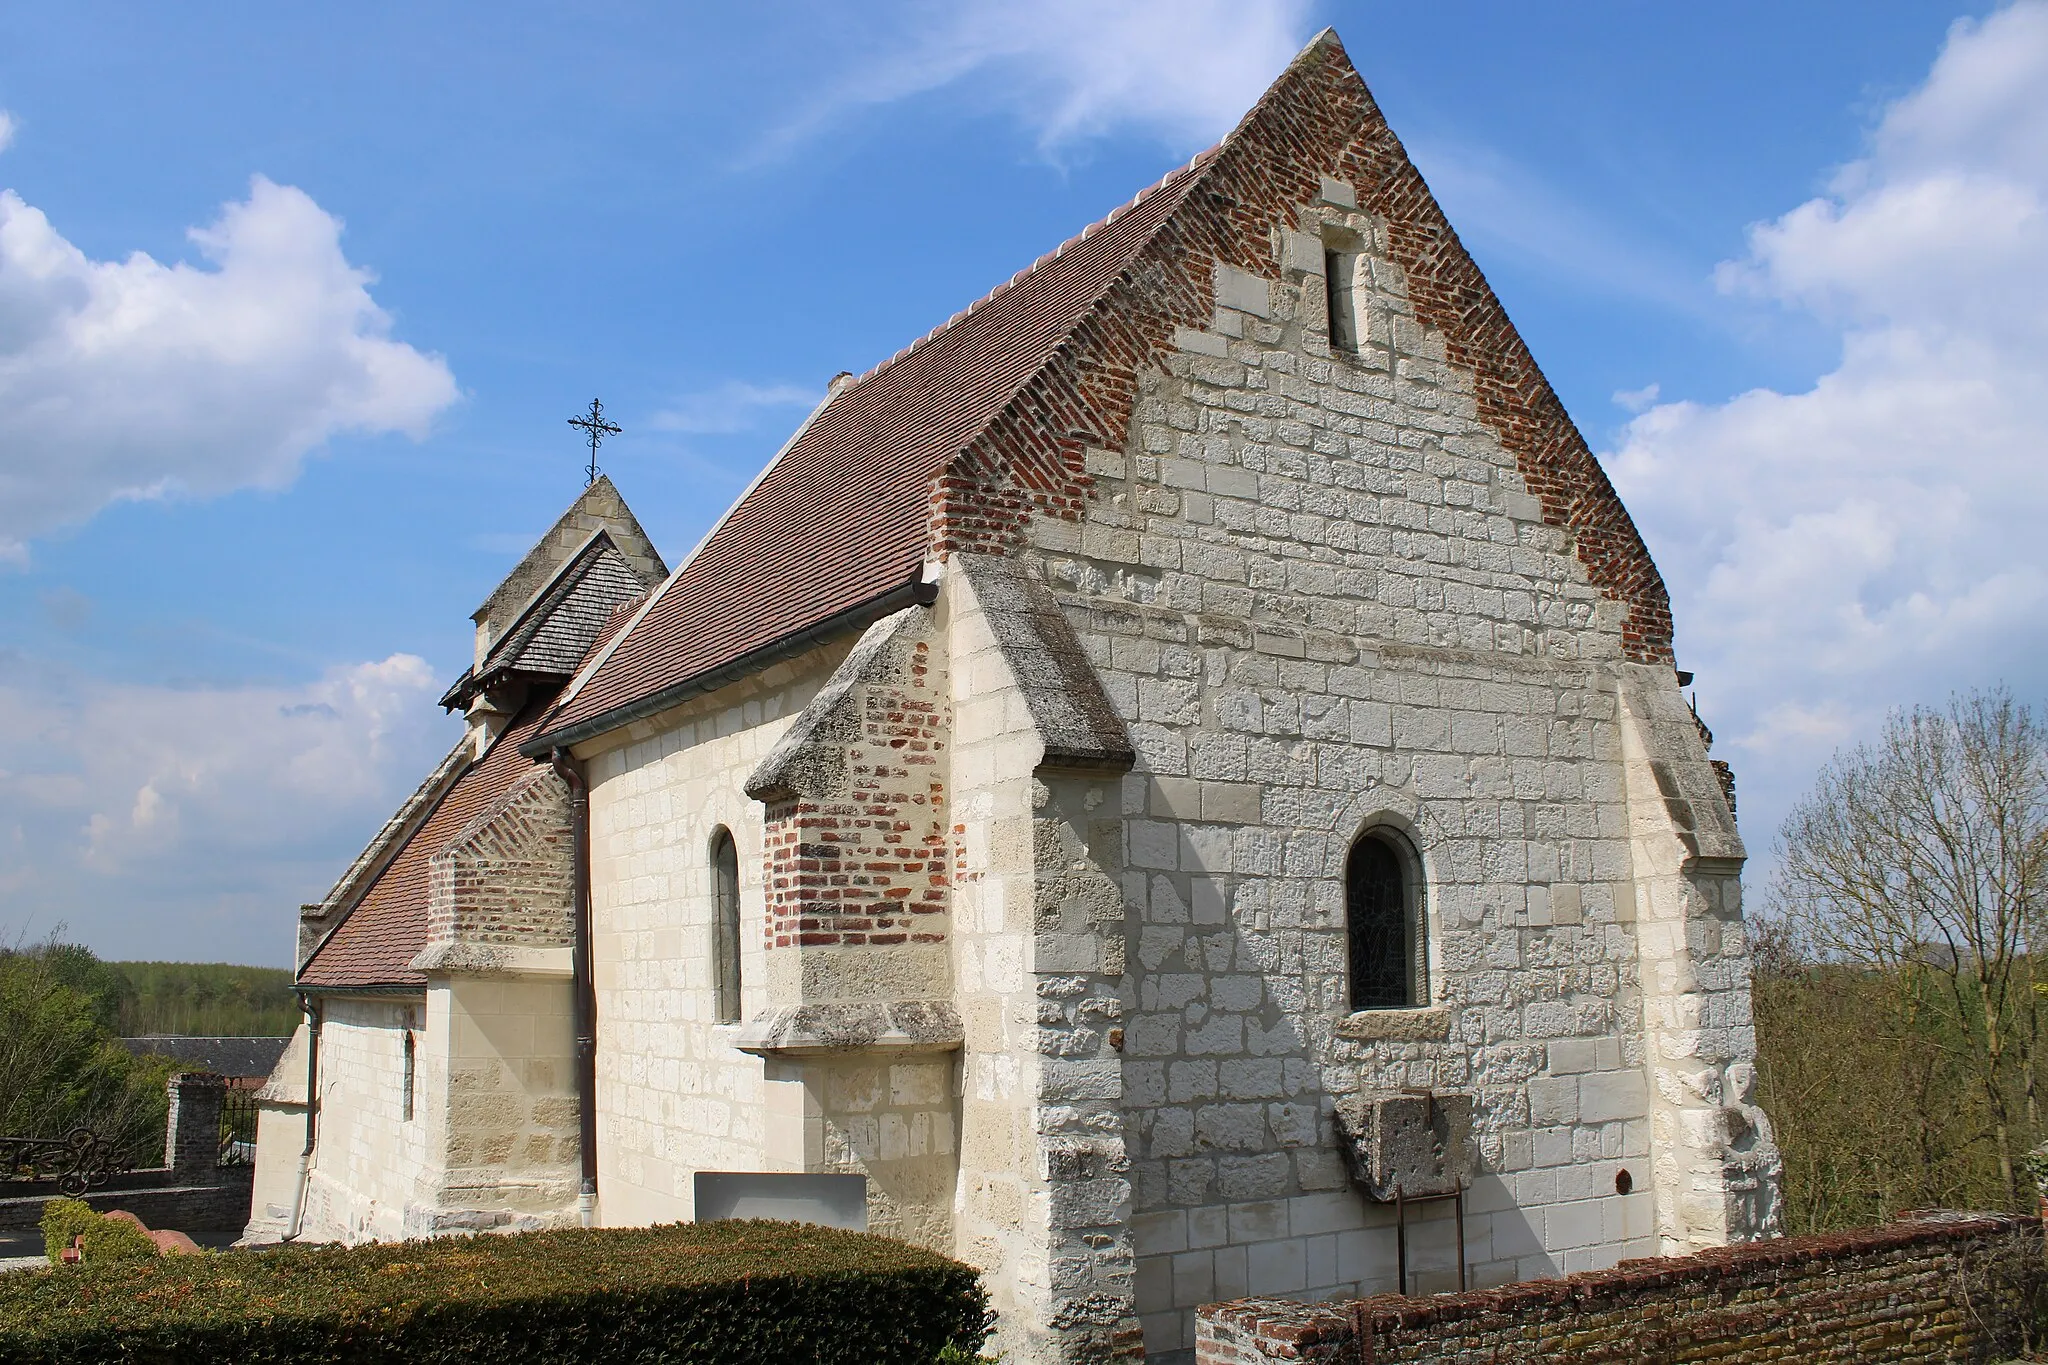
(737, 1293)
(106, 1239)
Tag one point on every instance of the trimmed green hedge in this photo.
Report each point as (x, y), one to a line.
(734, 1293)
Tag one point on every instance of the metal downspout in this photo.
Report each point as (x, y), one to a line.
(585, 986)
(312, 1013)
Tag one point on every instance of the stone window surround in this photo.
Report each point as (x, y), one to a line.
(409, 1030)
(1401, 815)
(1414, 911)
(727, 930)
(1349, 247)
(410, 1076)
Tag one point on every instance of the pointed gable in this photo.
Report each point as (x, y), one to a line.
(552, 634)
(955, 443)
(569, 596)
(598, 508)
(1317, 122)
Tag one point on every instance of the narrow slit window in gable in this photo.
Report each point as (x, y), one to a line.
(1337, 279)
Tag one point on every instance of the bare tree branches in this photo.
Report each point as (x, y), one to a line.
(1923, 859)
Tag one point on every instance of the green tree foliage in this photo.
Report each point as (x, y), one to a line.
(213, 999)
(61, 1064)
(1898, 1004)
(1871, 1119)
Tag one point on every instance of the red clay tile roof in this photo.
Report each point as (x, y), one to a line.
(841, 517)
(376, 943)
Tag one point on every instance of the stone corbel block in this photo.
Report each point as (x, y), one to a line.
(1409, 1143)
(901, 1027)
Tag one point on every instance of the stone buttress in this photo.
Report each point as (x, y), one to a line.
(1045, 1196)
(859, 1029)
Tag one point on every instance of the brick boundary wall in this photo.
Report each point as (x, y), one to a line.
(191, 1191)
(1937, 1287)
(215, 1204)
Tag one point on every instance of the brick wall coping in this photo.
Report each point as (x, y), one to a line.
(1304, 1326)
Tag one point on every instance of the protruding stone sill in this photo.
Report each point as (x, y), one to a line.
(1397, 1026)
(492, 959)
(902, 1026)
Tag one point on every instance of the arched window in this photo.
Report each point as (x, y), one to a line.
(1383, 915)
(725, 925)
(411, 1078)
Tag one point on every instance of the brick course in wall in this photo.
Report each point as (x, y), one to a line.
(866, 863)
(859, 854)
(504, 878)
(1909, 1291)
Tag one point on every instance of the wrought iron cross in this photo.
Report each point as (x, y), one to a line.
(596, 428)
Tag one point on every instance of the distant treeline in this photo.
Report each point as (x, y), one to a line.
(63, 1013)
(214, 999)
(1874, 1115)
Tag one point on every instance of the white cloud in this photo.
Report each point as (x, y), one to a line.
(219, 808)
(8, 128)
(1638, 400)
(730, 407)
(1876, 539)
(135, 379)
(1180, 70)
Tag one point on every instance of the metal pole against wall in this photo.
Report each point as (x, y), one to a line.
(1461, 1239)
(1401, 1237)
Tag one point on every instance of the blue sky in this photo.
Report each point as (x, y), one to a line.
(294, 302)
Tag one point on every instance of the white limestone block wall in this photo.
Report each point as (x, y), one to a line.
(1318, 592)
(369, 1163)
(674, 1095)
(280, 1139)
(1001, 1206)
(502, 1118)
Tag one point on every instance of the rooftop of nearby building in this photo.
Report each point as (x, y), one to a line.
(236, 1058)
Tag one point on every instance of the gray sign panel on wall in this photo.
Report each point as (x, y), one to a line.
(836, 1201)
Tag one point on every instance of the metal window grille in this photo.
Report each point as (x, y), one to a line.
(238, 1125)
(1383, 917)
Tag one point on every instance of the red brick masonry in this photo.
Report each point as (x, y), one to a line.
(1909, 1291)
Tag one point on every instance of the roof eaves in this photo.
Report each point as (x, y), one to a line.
(915, 592)
(395, 988)
(458, 692)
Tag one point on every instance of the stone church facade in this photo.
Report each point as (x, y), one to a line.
(1165, 778)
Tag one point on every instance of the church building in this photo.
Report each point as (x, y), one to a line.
(1174, 786)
